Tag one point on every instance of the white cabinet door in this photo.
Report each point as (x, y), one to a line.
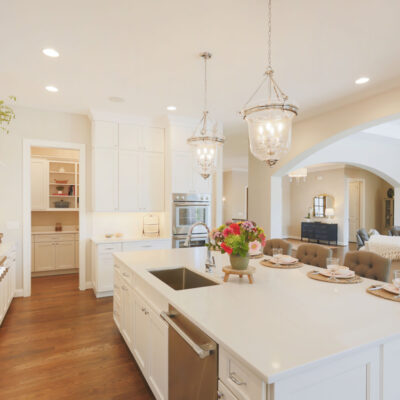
(130, 136)
(128, 311)
(158, 356)
(65, 255)
(39, 184)
(104, 272)
(179, 137)
(153, 139)
(140, 328)
(105, 179)
(104, 134)
(151, 194)
(182, 172)
(201, 185)
(128, 186)
(45, 256)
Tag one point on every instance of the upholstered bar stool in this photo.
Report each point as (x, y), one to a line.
(277, 244)
(369, 265)
(313, 254)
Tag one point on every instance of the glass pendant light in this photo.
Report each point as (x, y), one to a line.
(270, 121)
(206, 139)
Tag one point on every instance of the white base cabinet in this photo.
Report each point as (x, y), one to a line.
(55, 252)
(7, 282)
(103, 261)
(143, 330)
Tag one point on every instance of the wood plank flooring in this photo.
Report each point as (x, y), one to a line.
(62, 343)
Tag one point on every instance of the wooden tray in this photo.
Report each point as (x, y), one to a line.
(322, 278)
(382, 293)
(281, 266)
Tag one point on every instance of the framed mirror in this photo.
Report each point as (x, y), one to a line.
(320, 203)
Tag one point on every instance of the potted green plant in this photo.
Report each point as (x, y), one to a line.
(6, 114)
(234, 239)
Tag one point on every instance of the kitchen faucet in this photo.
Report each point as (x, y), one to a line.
(210, 261)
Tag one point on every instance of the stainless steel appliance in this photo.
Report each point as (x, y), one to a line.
(192, 360)
(189, 208)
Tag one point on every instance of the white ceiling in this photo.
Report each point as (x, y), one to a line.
(147, 52)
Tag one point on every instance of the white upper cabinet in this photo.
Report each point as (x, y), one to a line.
(105, 179)
(128, 176)
(130, 136)
(179, 137)
(104, 134)
(153, 139)
(39, 184)
(128, 167)
(182, 172)
(151, 182)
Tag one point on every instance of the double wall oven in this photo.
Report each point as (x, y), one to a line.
(189, 208)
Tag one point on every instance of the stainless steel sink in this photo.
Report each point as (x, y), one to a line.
(182, 278)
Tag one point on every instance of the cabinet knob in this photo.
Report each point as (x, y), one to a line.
(125, 274)
(220, 395)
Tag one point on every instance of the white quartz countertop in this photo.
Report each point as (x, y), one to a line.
(52, 232)
(282, 323)
(102, 239)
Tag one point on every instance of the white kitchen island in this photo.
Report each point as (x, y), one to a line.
(286, 337)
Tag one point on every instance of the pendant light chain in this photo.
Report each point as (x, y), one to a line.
(205, 84)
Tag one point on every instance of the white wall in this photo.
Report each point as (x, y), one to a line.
(333, 182)
(235, 183)
(31, 124)
(311, 135)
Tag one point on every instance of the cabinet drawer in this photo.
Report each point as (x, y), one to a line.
(146, 245)
(109, 248)
(224, 393)
(239, 379)
(127, 275)
(61, 237)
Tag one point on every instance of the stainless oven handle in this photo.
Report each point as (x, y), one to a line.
(180, 203)
(202, 353)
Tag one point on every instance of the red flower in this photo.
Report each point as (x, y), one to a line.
(262, 238)
(226, 248)
(235, 228)
(227, 231)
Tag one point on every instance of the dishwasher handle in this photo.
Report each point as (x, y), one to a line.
(201, 352)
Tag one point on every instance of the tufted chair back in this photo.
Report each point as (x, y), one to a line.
(277, 244)
(369, 265)
(313, 254)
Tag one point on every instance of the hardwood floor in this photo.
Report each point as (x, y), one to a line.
(62, 343)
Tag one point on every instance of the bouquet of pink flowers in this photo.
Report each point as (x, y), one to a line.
(236, 238)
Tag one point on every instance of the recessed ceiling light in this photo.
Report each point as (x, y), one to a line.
(51, 53)
(171, 108)
(116, 99)
(51, 89)
(362, 80)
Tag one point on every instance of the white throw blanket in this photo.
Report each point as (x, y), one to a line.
(385, 246)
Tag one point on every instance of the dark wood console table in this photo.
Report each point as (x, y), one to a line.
(319, 232)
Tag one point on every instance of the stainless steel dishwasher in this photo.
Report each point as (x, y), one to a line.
(192, 360)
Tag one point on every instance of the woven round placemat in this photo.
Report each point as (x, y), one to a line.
(322, 278)
(257, 256)
(383, 293)
(280, 266)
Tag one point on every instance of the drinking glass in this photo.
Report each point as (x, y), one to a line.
(396, 282)
(276, 253)
(332, 265)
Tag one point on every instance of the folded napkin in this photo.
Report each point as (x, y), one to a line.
(342, 272)
(283, 259)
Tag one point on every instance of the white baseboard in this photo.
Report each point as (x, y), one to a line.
(89, 285)
(19, 293)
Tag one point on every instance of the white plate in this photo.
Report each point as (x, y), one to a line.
(346, 275)
(282, 262)
(391, 288)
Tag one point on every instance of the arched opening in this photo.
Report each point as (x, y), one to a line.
(373, 148)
